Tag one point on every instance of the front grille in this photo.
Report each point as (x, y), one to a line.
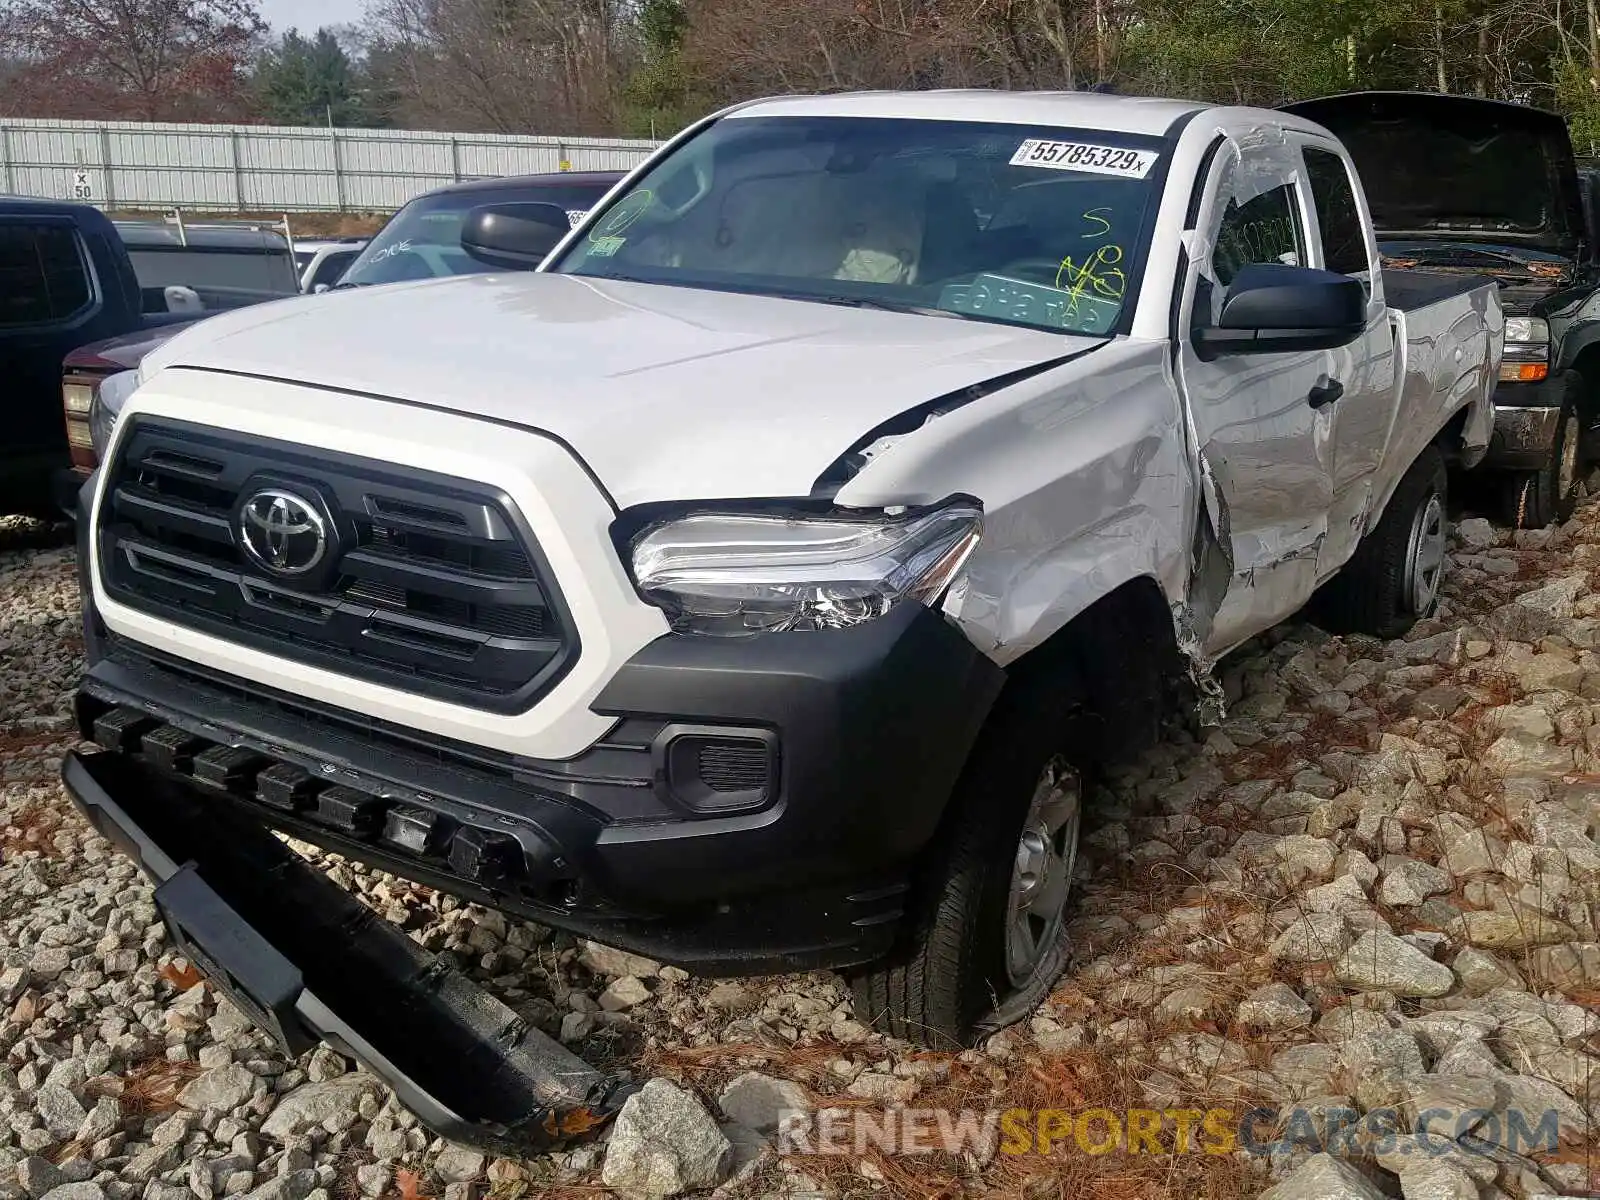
(433, 585)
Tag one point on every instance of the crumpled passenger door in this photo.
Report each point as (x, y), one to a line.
(1256, 417)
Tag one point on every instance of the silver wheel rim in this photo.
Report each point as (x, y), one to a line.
(1567, 468)
(1047, 852)
(1425, 556)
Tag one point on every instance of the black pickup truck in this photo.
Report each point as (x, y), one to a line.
(65, 279)
(1528, 216)
(69, 276)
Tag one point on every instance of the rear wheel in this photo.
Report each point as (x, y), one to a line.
(1535, 499)
(1392, 581)
(989, 940)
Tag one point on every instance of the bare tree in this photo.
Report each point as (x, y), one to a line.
(147, 59)
(511, 66)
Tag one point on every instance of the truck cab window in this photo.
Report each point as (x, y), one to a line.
(1344, 245)
(43, 278)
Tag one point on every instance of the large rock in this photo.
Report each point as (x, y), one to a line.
(606, 960)
(59, 1109)
(1565, 966)
(1476, 533)
(1407, 882)
(221, 1088)
(1481, 972)
(1273, 1007)
(1547, 673)
(1313, 938)
(1323, 1177)
(459, 1164)
(1379, 1064)
(1436, 1179)
(624, 993)
(38, 1176)
(1497, 929)
(1538, 1102)
(1460, 1102)
(77, 1191)
(1201, 1056)
(1518, 754)
(1380, 961)
(1473, 852)
(313, 1103)
(664, 1143)
(761, 1102)
(1308, 1069)
(1557, 599)
(292, 1185)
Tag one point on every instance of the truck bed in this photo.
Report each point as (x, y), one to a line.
(1408, 289)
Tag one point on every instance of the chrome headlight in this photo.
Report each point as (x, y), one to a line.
(104, 409)
(733, 573)
(1527, 331)
(1527, 352)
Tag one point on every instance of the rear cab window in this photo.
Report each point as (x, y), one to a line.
(44, 274)
(1344, 238)
(255, 270)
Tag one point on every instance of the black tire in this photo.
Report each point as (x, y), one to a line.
(1535, 499)
(947, 984)
(1374, 591)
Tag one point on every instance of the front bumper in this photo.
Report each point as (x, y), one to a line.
(65, 485)
(1525, 421)
(865, 732)
(307, 961)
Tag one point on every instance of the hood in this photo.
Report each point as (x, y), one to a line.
(1458, 167)
(126, 351)
(665, 392)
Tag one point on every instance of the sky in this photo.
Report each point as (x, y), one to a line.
(308, 15)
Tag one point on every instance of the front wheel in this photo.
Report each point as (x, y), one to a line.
(1392, 581)
(1535, 499)
(989, 940)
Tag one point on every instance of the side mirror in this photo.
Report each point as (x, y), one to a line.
(516, 235)
(318, 288)
(1271, 308)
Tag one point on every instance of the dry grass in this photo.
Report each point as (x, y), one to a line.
(151, 1088)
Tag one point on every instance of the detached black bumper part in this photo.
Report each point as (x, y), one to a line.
(309, 962)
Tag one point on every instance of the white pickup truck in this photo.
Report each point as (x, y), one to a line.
(755, 585)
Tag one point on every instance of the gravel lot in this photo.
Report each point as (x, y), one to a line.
(1373, 886)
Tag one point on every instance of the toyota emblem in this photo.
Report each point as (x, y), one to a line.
(282, 532)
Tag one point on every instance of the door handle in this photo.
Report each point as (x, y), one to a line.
(1325, 393)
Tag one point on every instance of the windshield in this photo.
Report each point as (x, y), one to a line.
(1035, 226)
(423, 239)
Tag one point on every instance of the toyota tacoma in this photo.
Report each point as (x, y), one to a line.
(756, 585)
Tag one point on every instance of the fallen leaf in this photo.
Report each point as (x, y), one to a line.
(407, 1182)
(579, 1121)
(182, 978)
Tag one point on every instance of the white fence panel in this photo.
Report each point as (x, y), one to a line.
(259, 168)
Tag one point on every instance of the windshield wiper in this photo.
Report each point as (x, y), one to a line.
(918, 310)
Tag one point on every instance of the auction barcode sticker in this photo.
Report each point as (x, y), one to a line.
(1082, 156)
